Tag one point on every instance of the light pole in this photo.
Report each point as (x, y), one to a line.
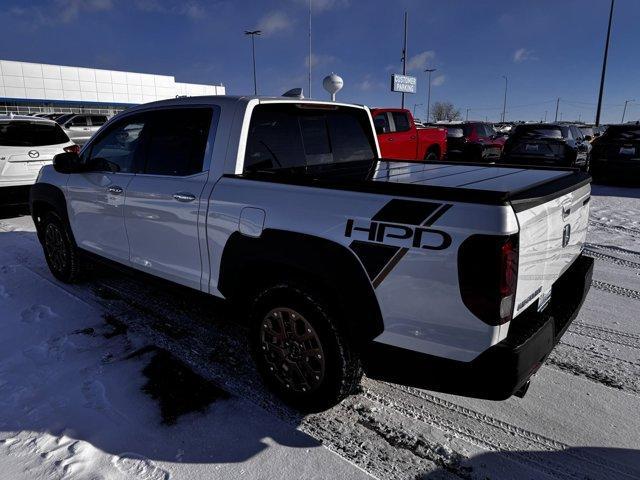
(252, 34)
(429, 71)
(466, 117)
(624, 110)
(604, 65)
(414, 108)
(504, 104)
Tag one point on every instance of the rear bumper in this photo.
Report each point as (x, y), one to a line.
(503, 369)
(14, 195)
(615, 167)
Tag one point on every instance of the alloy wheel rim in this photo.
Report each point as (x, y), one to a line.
(56, 251)
(292, 350)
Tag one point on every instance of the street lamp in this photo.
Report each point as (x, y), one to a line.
(429, 71)
(624, 110)
(414, 108)
(604, 65)
(504, 105)
(252, 34)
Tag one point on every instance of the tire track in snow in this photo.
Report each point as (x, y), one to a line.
(605, 334)
(633, 232)
(612, 249)
(615, 289)
(502, 436)
(611, 259)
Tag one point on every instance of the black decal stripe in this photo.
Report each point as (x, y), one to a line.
(389, 266)
(403, 251)
(374, 256)
(437, 214)
(407, 212)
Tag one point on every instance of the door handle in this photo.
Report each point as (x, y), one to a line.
(184, 197)
(412, 137)
(390, 139)
(115, 190)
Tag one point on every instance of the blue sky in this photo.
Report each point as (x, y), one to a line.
(547, 48)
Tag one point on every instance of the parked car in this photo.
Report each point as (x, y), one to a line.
(26, 145)
(616, 154)
(80, 127)
(432, 274)
(545, 144)
(473, 142)
(401, 139)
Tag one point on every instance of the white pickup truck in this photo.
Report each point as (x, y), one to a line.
(457, 278)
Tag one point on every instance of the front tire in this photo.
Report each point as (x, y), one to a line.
(432, 156)
(299, 348)
(59, 249)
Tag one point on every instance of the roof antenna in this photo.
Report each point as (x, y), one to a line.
(294, 93)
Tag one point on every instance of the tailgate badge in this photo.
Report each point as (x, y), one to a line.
(33, 153)
(566, 235)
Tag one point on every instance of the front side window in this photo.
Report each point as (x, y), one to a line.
(177, 141)
(118, 149)
(402, 121)
(289, 136)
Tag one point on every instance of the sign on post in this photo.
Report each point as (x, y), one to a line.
(403, 83)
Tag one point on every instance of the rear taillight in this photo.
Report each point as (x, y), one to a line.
(72, 149)
(488, 276)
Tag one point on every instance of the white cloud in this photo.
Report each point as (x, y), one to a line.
(419, 61)
(368, 84)
(319, 6)
(191, 9)
(60, 11)
(319, 60)
(438, 80)
(274, 22)
(522, 55)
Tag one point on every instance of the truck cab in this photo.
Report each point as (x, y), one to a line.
(400, 138)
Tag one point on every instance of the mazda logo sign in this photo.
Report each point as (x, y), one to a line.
(33, 153)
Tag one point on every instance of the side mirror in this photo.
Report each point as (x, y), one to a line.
(379, 129)
(67, 162)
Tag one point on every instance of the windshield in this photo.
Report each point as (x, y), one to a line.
(31, 134)
(289, 136)
(540, 132)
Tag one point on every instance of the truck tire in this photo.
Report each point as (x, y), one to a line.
(60, 251)
(431, 156)
(299, 349)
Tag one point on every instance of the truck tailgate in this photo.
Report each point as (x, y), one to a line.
(552, 235)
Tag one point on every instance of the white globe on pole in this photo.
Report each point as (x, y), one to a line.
(333, 84)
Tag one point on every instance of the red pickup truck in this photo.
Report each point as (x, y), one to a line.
(400, 138)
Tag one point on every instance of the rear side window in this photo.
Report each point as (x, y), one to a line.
(98, 120)
(402, 121)
(289, 136)
(455, 132)
(118, 149)
(31, 134)
(177, 141)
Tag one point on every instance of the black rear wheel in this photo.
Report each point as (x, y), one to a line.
(299, 348)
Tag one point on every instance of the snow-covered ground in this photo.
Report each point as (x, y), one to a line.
(115, 378)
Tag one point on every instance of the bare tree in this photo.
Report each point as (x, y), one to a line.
(445, 111)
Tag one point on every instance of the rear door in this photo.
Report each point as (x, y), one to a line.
(95, 198)
(163, 202)
(79, 129)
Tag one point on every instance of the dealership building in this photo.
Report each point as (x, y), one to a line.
(36, 87)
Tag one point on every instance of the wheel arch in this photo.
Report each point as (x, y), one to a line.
(45, 198)
(435, 148)
(249, 262)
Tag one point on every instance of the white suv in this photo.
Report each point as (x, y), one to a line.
(26, 145)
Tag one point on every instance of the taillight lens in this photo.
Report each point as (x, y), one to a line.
(72, 149)
(488, 276)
